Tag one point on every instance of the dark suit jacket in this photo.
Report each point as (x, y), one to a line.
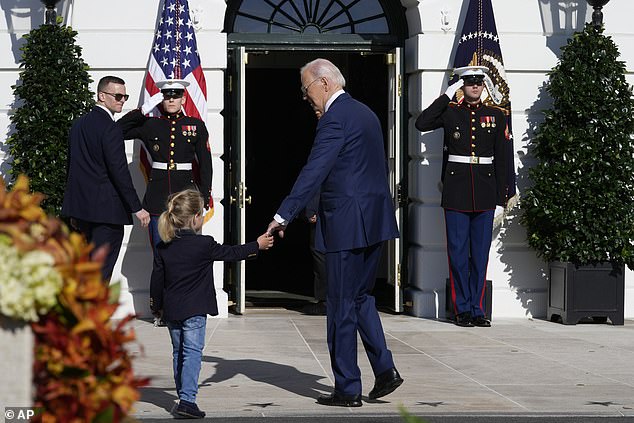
(469, 130)
(182, 283)
(347, 165)
(99, 187)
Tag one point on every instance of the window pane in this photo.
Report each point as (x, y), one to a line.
(377, 26)
(256, 8)
(244, 24)
(363, 9)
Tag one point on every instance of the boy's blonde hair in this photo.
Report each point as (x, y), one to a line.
(181, 208)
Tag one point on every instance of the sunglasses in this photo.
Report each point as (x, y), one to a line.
(476, 83)
(118, 96)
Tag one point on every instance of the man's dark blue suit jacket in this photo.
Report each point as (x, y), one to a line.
(347, 166)
(99, 187)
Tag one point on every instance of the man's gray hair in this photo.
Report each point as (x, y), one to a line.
(322, 68)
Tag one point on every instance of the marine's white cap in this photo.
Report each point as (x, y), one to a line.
(172, 84)
(471, 71)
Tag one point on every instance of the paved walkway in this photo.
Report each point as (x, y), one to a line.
(274, 363)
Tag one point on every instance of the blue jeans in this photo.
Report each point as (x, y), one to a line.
(188, 340)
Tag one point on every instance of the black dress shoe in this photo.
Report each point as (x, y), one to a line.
(481, 322)
(340, 400)
(386, 383)
(464, 320)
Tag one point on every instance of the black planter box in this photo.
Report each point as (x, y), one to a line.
(488, 300)
(577, 292)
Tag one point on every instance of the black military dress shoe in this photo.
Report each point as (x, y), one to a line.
(464, 320)
(481, 322)
(386, 383)
(340, 400)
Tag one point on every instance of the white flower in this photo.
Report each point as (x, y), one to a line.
(29, 283)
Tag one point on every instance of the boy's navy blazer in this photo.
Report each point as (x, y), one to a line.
(99, 187)
(347, 165)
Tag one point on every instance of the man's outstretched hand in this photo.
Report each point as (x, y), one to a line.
(274, 227)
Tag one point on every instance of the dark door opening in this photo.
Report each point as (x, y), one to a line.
(280, 128)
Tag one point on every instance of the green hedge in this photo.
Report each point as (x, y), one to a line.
(580, 208)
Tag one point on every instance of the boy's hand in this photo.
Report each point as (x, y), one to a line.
(265, 241)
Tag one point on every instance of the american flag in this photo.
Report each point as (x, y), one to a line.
(479, 45)
(174, 55)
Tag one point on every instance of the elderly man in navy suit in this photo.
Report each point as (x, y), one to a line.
(99, 196)
(347, 166)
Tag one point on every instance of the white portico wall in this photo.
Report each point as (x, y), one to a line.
(530, 37)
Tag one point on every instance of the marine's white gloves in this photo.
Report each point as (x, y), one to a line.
(451, 90)
(151, 103)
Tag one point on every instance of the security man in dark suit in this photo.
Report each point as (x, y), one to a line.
(473, 177)
(173, 141)
(99, 196)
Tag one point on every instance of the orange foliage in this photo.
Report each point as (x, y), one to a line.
(82, 372)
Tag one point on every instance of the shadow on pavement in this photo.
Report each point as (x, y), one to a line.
(279, 375)
(159, 397)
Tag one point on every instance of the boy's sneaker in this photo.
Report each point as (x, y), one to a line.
(188, 410)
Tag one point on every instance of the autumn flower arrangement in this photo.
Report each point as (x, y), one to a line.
(81, 371)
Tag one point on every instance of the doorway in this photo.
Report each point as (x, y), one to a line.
(279, 131)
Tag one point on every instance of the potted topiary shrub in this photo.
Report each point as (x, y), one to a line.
(53, 90)
(579, 212)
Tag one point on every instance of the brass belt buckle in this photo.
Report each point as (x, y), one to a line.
(172, 166)
(475, 160)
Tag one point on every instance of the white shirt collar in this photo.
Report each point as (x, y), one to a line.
(109, 112)
(332, 99)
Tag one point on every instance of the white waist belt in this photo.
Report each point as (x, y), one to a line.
(172, 166)
(470, 159)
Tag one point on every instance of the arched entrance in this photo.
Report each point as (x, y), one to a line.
(269, 128)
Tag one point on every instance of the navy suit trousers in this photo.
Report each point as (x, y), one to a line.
(469, 237)
(351, 309)
(103, 234)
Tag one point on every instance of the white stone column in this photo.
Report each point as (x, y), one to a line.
(16, 365)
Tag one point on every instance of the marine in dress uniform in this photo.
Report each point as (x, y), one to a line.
(473, 176)
(173, 140)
